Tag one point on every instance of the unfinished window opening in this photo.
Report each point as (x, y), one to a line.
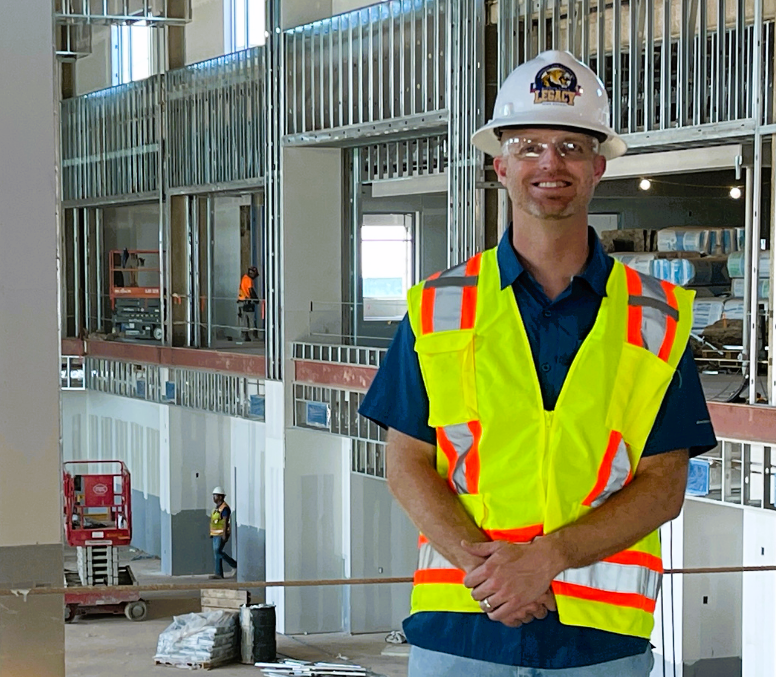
(244, 24)
(131, 49)
(387, 264)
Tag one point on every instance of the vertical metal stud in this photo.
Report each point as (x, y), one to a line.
(665, 68)
(209, 269)
(98, 263)
(649, 66)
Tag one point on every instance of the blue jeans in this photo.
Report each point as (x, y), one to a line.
(424, 663)
(220, 556)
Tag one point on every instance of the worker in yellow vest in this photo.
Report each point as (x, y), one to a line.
(220, 531)
(542, 404)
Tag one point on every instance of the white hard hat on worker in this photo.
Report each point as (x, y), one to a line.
(556, 91)
(219, 491)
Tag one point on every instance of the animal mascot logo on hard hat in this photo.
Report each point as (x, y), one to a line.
(553, 90)
(555, 83)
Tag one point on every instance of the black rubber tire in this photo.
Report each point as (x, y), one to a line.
(136, 611)
(70, 612)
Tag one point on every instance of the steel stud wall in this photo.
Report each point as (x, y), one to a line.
(665, 63)
(110, 144)
(465, 84)
(274, 97)
(215, 118)
(379, 63)
(403, 81)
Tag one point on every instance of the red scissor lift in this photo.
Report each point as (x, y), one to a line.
(98, 518)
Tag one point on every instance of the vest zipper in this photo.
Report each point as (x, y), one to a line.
(548, 418)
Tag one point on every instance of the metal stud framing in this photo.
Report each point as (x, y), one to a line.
(150, 12)
(411, 69)
(274, 96)
(110, 144)
(215, 115)
(379, 63)
(465, 84)
(665, 63)
(404, 159)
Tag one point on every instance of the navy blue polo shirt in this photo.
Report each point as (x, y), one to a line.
(556, 329)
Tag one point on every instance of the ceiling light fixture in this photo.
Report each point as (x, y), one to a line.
(645, 184)
(735, 192)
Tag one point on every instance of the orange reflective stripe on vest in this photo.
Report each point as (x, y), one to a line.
(614, 473)
(449, 299)
(435, 568)
(652, 313)
(460, 444)
(519, 471)
(629, 579)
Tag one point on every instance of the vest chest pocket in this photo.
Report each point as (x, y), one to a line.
(447, 362)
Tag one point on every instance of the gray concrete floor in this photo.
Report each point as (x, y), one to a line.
(96, 646)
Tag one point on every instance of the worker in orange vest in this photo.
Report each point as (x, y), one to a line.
(246, 306)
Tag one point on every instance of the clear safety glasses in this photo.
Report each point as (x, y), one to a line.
(526, 148)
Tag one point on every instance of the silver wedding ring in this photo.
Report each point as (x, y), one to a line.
(485, 604)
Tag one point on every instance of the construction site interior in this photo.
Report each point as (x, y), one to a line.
(155, 150)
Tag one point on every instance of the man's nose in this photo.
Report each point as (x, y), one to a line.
(550, 157)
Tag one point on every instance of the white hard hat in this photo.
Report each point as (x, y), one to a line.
(220, 491)
(552, 90)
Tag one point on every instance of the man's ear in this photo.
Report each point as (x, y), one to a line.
(500, 165)
(599, 167)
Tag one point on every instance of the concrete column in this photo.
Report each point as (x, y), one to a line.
(32, 628)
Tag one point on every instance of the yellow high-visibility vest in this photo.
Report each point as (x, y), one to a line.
(521, 471)
(218, 523)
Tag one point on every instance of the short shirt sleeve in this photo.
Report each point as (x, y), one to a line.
(226, 512)
(397, 397)
(683, 421)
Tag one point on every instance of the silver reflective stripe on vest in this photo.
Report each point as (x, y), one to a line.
(611, 577)
(429, 558)
(448, 296)
(447, 308)
(655, 311)
(462, 440)
(617, 475)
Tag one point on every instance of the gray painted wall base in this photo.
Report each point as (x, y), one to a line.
(251, 563)
(146, 523)
(31, 566)
(729, 666)
(186, 545)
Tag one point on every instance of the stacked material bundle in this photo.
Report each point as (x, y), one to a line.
(200, 640)
(737, 264)
(718, 241)
(699, 272)
(705, 312)
(257, 626)
(292, 667)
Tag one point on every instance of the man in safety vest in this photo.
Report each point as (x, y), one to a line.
(542, 404)
(220, 531)
(246, 303)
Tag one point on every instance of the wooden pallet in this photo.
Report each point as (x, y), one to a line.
(219, 599)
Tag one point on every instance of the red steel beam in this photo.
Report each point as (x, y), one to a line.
(346, 376)
(744, 422)
(190, 358)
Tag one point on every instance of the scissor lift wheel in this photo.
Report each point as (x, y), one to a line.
(136, 611)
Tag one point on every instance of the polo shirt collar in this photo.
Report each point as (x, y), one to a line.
(596, 273)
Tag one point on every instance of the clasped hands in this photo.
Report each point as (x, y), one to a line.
(512, 581)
